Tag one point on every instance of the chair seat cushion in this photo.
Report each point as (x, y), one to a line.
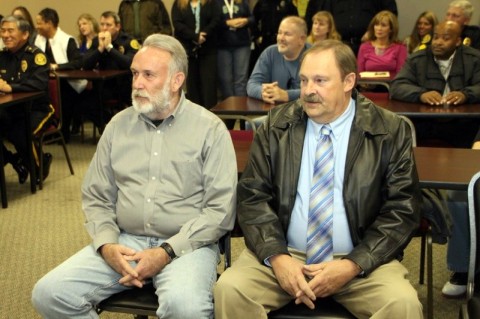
(325, 308)
(137, 300)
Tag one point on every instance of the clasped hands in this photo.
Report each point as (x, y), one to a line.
(104, 40)
(435, 98)
(307, 282)
(272, 93)
(149, 262)
(237, 23)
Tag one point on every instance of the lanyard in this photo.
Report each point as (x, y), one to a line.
(229, 6)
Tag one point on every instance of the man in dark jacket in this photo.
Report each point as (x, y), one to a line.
(446, 73)
(373, 202)
(141, 18)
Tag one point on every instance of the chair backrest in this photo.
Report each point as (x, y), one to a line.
(55, 98)
(474, 216)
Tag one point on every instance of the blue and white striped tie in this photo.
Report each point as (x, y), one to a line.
(320, 214)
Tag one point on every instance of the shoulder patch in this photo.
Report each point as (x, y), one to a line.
(426, 38)
(467, 41)
(40, 59)
(134, 44)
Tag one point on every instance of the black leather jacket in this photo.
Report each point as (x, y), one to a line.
(380, 190)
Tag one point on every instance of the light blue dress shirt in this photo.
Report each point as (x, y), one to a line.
(297, 230)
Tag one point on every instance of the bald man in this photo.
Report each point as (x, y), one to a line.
(446, 73)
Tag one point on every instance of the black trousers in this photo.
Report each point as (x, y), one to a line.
(202, 80)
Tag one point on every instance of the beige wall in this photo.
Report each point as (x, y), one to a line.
(69, 10)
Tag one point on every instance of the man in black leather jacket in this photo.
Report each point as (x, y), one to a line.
(376, 192)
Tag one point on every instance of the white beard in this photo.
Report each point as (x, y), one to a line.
(157, 103)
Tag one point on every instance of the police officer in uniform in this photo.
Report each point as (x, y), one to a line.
(23, 68)
(113, 49)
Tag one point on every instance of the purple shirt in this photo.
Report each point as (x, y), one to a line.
(391, 60)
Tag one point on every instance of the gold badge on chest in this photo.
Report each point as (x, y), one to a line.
(24, 65)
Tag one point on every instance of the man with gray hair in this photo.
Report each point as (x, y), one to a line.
(461, 12)
(158, 195)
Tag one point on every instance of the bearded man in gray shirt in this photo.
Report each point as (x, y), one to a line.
(158, 195)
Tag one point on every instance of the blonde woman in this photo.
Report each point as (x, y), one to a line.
(323, 28)
(422, 32)
(383, 52)
(88, 29)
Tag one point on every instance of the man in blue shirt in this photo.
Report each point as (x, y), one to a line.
(275, 76)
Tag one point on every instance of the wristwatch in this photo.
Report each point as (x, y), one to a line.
(169, 250)
(109, 47)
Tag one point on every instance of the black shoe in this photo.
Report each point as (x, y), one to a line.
(47, 162)
(21, 170)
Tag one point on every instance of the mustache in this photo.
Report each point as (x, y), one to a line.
(312, 98)
(137, 93)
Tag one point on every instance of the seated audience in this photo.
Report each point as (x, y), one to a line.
(275, 76)
(88, 29)
(23, 68)
(461, 12)
(23, 12)
(323, 28)
(140, 18)
(383, 51)
(327, 202)
(62, 54)
(422, 32)
(112, 49)
(351, 17)
(155, 204)
(446, 73)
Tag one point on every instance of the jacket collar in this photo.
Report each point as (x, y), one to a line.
(364, 108)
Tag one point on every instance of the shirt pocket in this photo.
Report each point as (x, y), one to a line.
(184, 177)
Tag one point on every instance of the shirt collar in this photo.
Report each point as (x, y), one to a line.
(338, 125)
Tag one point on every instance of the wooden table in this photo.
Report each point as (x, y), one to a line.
(98, 77)
(243, 105)
(26, 99)
(378, 80)
(442, 168)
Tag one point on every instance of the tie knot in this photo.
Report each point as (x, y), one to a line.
(326, 130)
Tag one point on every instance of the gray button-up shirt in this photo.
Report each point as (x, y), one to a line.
(176, 181)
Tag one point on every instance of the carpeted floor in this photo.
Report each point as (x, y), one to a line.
(39, 231)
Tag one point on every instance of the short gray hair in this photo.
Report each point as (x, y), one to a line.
(172, 46)
(465, 5)
(21, 23)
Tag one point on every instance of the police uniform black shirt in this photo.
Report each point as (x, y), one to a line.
(471, 36)
(26, 70)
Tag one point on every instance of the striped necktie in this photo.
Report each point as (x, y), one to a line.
(320, 214)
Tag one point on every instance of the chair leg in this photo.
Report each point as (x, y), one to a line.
(429, 276)
(40, 162)
(421, 275)
(66, 153)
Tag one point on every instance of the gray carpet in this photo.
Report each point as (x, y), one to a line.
(39, 231)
